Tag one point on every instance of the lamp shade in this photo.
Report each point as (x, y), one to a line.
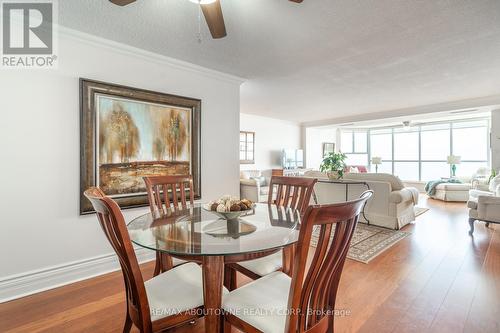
(452, 159)
(376, 160)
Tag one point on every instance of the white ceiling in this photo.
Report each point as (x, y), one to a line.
(321, 59)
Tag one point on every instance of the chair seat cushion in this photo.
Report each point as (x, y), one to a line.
(264, 265)
(175, 291)
(262, 303)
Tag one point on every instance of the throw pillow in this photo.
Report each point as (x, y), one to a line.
(353, 170)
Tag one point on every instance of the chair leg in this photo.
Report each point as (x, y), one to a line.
(163, 263)
(230, 278)
(226, 326)
(471, 224)
(128, 324)
(157, 264)
(487, 224)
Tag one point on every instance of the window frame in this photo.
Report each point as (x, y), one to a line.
(392, 130)
(247, 145)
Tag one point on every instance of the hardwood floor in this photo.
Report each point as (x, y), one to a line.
(437, 280)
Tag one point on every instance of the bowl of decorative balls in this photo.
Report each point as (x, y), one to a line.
(230, 208)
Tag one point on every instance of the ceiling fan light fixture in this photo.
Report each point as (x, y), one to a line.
(406, 125)
(202, 2)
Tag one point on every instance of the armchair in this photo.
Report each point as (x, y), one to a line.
(485, 205)
(254, 186)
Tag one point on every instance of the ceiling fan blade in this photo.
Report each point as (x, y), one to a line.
(122, 2)
(214, 18)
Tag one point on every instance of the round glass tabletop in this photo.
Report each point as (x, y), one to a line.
(196, 231)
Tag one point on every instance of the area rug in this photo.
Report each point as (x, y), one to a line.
(368, 241)
(420, 210)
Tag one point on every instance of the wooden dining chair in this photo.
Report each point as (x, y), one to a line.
(291, 192)
(168, 193)
(304, 302)
(167, 300)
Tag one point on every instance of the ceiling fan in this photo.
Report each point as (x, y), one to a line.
(211, 10)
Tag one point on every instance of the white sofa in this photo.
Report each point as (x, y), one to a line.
(392, 205)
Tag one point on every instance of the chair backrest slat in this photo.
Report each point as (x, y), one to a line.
(174, 191)
(291, 192)
(113, 224)
(314, 286)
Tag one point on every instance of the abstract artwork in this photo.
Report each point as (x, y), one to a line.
(129, 133)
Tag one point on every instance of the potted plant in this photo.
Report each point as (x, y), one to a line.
(493, 175)
(333, 164)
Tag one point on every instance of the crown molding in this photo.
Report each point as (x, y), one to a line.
(128, 50)
(487, 101)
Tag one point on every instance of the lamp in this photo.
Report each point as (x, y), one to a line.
(376, 161)
(453, 161)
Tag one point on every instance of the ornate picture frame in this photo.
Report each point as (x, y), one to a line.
(127, 133)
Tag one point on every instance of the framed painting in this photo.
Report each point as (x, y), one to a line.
(128, 133)
(328, 147)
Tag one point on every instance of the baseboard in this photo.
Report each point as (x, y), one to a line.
(17, 286)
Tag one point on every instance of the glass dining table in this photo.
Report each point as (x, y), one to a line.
(198, 235)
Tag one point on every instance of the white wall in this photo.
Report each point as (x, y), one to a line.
(495, 139)
(271, 137)
(41, 227)
(315, 137)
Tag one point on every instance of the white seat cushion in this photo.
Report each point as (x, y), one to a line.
(264, 265)
(175, 291)
(262, 303)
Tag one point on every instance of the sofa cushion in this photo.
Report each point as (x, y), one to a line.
(260, 180)
(248, 174)
(453, 187)
(396, 183)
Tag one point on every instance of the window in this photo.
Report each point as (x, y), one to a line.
(355, 145)
(247, 147)
(406, 146)
(420, 152)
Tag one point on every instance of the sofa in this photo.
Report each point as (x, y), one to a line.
(485, 205)
(392, 205)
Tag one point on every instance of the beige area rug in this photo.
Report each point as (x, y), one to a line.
(368, 241)
(420, 210)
